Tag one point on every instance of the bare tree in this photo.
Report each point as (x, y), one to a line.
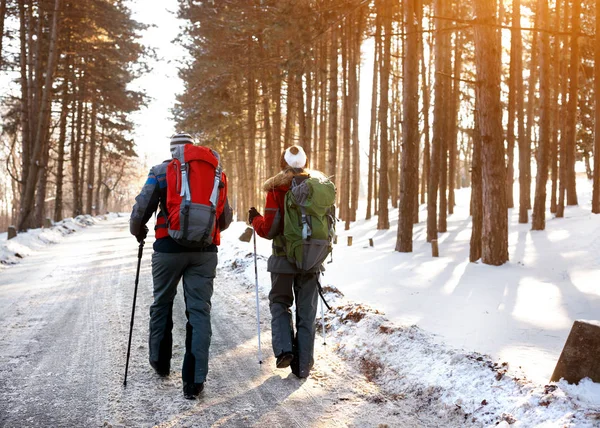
(410, 132)
(487, 59)
(539, 207)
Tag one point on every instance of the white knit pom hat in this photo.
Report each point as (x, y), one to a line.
(295, 157)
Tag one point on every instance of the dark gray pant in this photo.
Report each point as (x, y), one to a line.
(305, 289)
(198, 270)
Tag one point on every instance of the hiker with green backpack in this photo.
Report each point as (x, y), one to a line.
(300, 220)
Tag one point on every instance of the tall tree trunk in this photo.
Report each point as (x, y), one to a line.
(452, 153)
(531, 101)
(346, 127)
(304, 136)
(373, 125)
(538, 218)
(91, 160)
(383, 221)
(84, 147)
(290, 110)
(25, 89)
(572, 104)
(596, 179)
(439, 131)
(488, 63)
(76, 149)
(476, 193)
(515, 73)
(97, 200)
(2, 18)
(410, 132)
(523, 140)
(555, 93)
(251, 147)
(308, 119)
(333, 107)
(355, 97)
(425, 91)
(277, 119)
(41, 132)
(563, 144)
(271, 164)
(62, 137)
(321, 156)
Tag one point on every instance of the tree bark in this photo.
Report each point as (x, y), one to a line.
(538, 219)
(2, 18)
(425, 91)
(439, 131)
(555, 93)
(333, 107)
(452, 153)
(563, 164)
(488, 63)
(91, 160)
(97, 200)
(277, 149)
(409, 181)
(76, 149)
(596, 179)
(374, 119)
(476, 193)
(383, 221)
(355, 97)
(572, 104)
(346, 127)
(62, 137)
(515, 74)
(25, 89)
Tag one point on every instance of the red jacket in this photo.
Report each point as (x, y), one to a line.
(271, 224)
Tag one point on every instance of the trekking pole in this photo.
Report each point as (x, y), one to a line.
(323, 302)
(257, 309)
(323, 322)
(137, 280)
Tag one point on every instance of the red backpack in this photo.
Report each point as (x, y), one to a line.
(194, 179)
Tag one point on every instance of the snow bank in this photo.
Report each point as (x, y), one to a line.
(405, 360)
(28, 243)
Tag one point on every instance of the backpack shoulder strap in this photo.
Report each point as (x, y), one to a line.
(214, 196)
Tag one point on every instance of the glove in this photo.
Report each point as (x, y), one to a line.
(252, 214)
(143, 233)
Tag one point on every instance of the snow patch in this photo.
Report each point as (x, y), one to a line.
(404, 360)
(28, 243)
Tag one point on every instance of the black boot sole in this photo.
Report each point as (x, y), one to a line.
(284, 361)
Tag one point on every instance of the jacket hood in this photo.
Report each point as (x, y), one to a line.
(284, 178)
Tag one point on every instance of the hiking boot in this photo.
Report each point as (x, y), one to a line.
(295, 366)
(160, 369)
(284, 360)
(192, 390)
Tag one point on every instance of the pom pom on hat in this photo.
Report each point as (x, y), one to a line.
(295, 157)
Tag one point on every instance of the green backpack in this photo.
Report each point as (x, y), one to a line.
(309, 221)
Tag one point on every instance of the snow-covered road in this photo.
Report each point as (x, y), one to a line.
(64, 320)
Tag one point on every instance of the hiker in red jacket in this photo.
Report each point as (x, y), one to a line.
(172, 261)
(287, 282)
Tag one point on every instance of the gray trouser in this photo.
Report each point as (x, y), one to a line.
(198, 270)
(305, 289)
